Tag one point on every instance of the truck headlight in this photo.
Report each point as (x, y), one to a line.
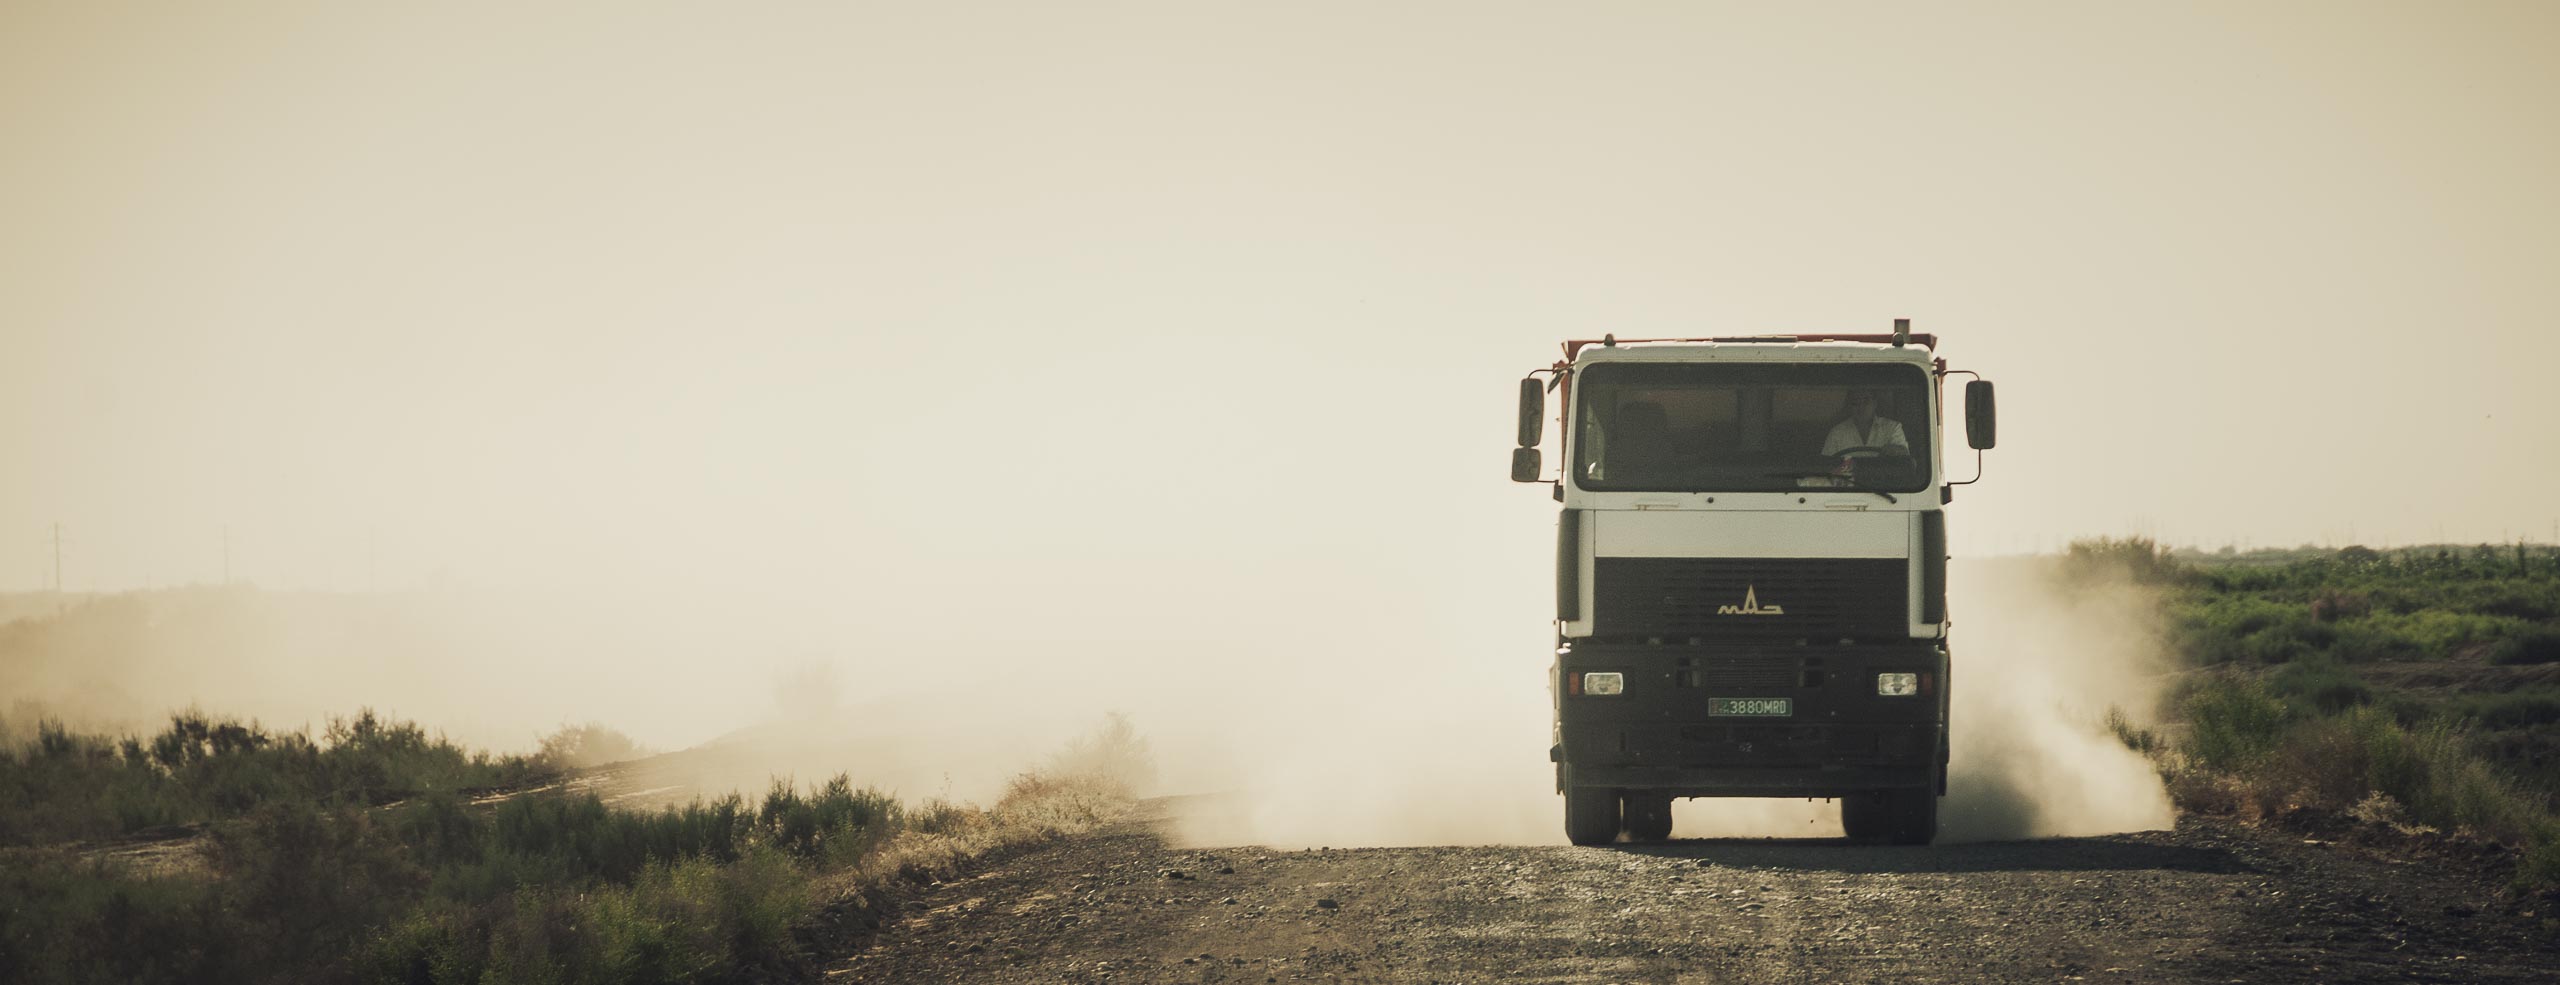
(1604, 682)
(1897, 685)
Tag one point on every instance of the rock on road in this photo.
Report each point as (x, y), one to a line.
(2210, 902)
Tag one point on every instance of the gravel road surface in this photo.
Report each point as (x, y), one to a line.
(2214, 901)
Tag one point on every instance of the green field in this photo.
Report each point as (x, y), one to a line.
(2416, 688)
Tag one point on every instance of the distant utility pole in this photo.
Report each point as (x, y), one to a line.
(226, 554)
(57, 567)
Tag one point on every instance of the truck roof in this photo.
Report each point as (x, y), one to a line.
(1764, 348)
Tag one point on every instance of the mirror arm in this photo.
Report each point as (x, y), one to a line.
(1977, 471)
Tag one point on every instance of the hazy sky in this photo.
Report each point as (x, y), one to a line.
(1096, 312)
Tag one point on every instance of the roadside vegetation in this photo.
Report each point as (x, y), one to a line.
(377, 854)
(2417, 689)
(58, 785)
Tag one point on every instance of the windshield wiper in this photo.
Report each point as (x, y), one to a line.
(1828, 474)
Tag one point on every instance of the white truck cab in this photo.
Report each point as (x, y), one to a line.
(1751, 575)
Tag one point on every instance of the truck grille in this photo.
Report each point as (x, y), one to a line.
(1750, 598)
(1742, 675)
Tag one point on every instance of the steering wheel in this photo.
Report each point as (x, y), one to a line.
(1871, 450)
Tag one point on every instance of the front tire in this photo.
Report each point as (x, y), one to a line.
(1590, 814)
(1899, 817)
(1862, 816)
(1648, 815)
(1914, 816)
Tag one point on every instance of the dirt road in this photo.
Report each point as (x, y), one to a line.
(2210, 902)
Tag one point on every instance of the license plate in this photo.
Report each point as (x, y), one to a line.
(1763, 707)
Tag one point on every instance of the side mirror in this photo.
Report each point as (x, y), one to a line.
(1981, 425)
(1525, 465)
(1533, 411)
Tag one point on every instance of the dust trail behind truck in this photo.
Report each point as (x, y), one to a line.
(1751, 575)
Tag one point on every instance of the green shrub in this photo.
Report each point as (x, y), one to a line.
(2530, 755)
(67, 787)
(2541, 865)
(2511, 710)
(2362, 641)
(2438, 632)
(62, 786)
(2535, 646)
(2248, 629)
(2529, 601)
(314, 885)
(2319, 686)
(2319, 762)
(2396, 762)
(68, 920)
(2337, 762)
(2234, 721)
(304, 882)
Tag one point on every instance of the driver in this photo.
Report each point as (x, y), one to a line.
(1865, 433)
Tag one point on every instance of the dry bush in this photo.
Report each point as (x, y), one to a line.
(2149, 742)
(1113, 755)
(2208, 792)
(2322, 763)
(1061, 803)
(939, 816)
(591, 744)
(2379, 809)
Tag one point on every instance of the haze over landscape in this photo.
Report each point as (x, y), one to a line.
(1025, 362)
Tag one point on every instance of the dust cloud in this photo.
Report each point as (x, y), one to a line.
(738, 699)
(1431, 729)
(2040, 660)
(2041, 657)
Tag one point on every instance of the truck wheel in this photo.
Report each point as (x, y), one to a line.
(1914, 816)
(1590, 815)
(1648, 815)
(1863, 815)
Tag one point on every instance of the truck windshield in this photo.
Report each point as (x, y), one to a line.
(1746, 427)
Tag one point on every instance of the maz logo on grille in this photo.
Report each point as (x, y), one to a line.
(1750, 605)
(1824, 598)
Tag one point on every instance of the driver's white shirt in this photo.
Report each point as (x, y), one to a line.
(1882, 432)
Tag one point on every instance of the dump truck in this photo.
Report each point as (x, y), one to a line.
(1751, 574)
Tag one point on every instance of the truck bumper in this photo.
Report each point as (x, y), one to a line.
(1708, 781)
(1662, 732)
